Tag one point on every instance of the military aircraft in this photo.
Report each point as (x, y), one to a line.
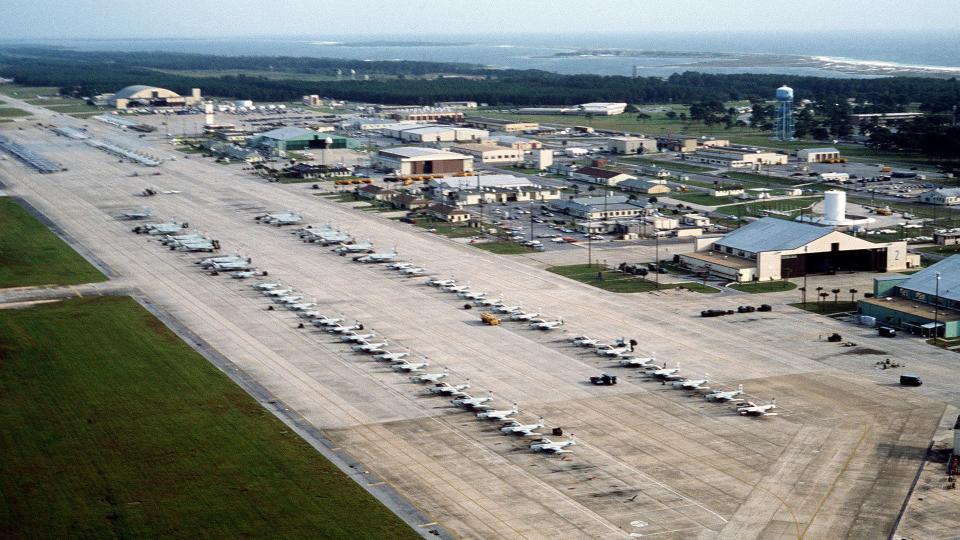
(546, 325)
(638, 362)
(721, 396)
(326, 321)
(584, 341)
(265, 286)
(375, 258)
(302, 306)
(274, 292)
(618, 348)
(454, 288)
(339, 328)
(445, 389)
(285, 218)
(524, 316)
(513, 427)
(366, 347)
(410, 368)
(399, 265)
(467, 295)
(231, 266)
(243, 274)
(752, 409)
(664, 372)
(413, 271)
(208, 262)
(143, 214)
(470, 402)
(362, 247)
(391, 357)
(156, 229)
(429, 377)
(288, 300)
(438, 282)
(501, 414)
(693, 384)
(548, 446)
(353, 337)
(309, 314)
(490, 302)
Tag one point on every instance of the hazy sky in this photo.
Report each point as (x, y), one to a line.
(406, 18)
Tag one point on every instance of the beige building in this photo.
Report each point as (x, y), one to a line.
(772, 249)
(632, 145)
(413, 160)
(519, 143)
(737, 157)
(490, 153)
(497, 124)
(596, 175)
(151, 96)
(639, 185)
(817, 155)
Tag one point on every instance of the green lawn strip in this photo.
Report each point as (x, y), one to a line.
(30, 254)
(764, 286)
(503, 247)
(701, 198)
(828, 307)
(450, 230)
(621, 283)
(114, 427)
(11, 112)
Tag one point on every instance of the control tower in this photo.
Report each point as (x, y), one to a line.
(783, 115)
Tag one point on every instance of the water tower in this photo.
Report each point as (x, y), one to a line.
(783, 115)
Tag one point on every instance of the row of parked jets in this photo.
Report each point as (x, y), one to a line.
(367, 342)
(622, 351)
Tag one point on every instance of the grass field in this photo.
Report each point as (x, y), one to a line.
(30, 254)
(503, 247)
(700, 198)
(449, 230)
(12, 112)
(621, 283)
(764, 286)
(669, 165)
(127, 432)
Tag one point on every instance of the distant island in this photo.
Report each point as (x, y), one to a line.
(383, 43)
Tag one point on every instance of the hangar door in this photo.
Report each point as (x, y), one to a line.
(829, 262)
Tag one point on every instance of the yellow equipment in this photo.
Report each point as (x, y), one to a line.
(490, 319)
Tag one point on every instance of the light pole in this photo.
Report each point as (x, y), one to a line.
(656, 243)
(936, 311)
(806, 249)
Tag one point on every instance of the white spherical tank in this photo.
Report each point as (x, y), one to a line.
(834, 205)
(785, 93)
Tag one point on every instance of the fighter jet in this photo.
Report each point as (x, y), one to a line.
(231, 266)
(208, 262)
(391, 357)
(664, 373)
(285, 218)
(752, 409)
(156, 229)
(490, 302)
(302, 306)
(721, 396)
(438, 282)
(143, 214)
(325, 321)
(366, 347)
(524, 316)
(243, 274)
(501, 414)
(274, 292)
(445, 389)
(692, 384)
(339, 328)
(399, 266)
(637, 362)
(469, 402)
(413, 271)
(471, 295)
(265, 286)
(454, 288)
(618, 348)
(410, 368)
(584, 341)
(546, 325)
(506, 309)
(428, 377)
(513, 427)
(309, 314)
(375, 258)
(548, 446)
(353, 337)
(362, 247)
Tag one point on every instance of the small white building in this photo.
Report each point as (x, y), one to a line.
(942, 196)
(818, 155)
(837, 177)
(575, 151)
(737, 157)
(632, 145)
(489, 153)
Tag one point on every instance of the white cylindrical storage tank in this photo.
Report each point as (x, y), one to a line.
(834, 205)
(785, 93)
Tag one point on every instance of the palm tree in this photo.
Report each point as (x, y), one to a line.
(836, 295)
(853, 295)
(823, 298)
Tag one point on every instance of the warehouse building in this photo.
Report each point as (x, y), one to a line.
(614, 207)
(632, 145)
(411, 160)
(596, 175)
(818, 155)
(737, 157)
(771, 249)
(646, 187)
(419, 133)
(427, 114)
(941, 197)
(519, 143)
(497, 124)
(151, 96)
(489, 153)
(924, 303)
(295, 138)
(688, 144)
(593, 109)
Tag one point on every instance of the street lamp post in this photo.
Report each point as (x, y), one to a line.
(805, 251)
(936, 311)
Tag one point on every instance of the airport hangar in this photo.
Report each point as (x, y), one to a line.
(771, 249)
(152, 96)
(919, 303)
(295, 138)
(408, 160)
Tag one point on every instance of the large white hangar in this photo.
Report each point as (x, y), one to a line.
(152, 96)
(771, 249)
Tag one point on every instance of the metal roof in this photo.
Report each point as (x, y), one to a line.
(820, 150)
(419, 152)
(948, 192)
(772, 234)
(289, 132)
(637, 183)
(925, 281)
(128, 91)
